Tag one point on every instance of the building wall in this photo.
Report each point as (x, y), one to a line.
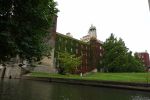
(90, 52)
(144, 56)
(1, 71)
(49, 61)
(13, 71)
(96, 52)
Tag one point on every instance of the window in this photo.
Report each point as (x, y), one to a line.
(65, 48)
(76, 51)
(100, 47)
(59, 47)
(59, 39)
(76, 45)
(71, 49)
(100, 62)
(100, 54)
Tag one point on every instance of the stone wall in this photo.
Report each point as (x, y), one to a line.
(13, 71)
(1, 72)
(47, 64)
(46, 69)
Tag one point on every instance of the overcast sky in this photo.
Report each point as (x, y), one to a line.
(128, 19)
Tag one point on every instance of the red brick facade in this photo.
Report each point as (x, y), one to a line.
(144, 56)
(90, 52)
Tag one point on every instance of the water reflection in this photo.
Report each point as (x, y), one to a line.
(140, 98)
(35, 90)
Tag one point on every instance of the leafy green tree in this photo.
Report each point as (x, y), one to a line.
(23, 27)
(68, 62)
(116, 57)
(133, 63)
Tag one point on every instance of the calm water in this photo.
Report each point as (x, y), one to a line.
(35, 90)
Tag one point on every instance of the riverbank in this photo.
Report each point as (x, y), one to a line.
(119, 77)
(89, 81)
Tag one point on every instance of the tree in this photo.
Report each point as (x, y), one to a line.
(68, 62)
(117, 58)
(24, 25)
(133, 63)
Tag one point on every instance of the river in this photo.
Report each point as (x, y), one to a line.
(11, 89)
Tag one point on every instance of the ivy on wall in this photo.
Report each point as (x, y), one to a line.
(79, 48)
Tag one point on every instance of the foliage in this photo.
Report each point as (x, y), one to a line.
(134, 64)
(68, 62)
(117, 58)
(72, 46)
(24, 25)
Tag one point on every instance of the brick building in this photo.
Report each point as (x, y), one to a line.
(90, 50)
(144, 56)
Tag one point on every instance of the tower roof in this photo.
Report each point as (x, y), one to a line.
(92, 32)
(92, 27)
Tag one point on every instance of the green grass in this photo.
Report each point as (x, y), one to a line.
(119, 77)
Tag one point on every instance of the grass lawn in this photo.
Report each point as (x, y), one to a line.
(120, 77)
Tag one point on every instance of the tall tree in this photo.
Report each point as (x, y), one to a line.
(117, 58)
(23, 27)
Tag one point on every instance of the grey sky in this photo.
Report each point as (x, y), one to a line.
(128, 19)
(149, 4)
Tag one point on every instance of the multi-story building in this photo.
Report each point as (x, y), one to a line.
(144, 56)
(90, 50)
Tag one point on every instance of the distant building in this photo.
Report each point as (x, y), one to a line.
(144, 56)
